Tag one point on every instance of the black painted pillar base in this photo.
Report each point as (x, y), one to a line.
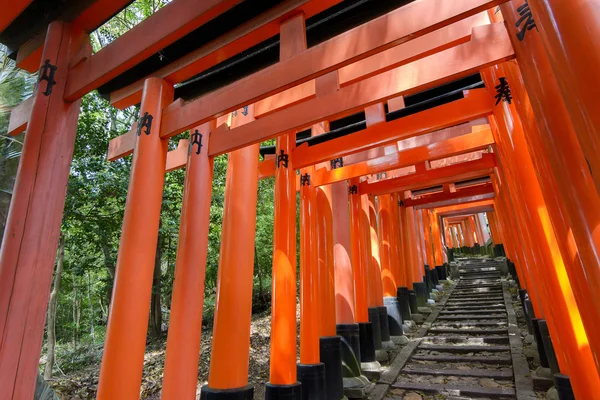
(331, 357)
(394, 315)
(548, 347)
(422, 294)
(412, 301)
(522, 297)
(441, 271)
(384, 324)
(540, 344)
(243, 393)
(312, 378)
(434, 277)
(367, 344)
(529, 315)
(427, 278)
(562, 383)
(404, 302)
(374, 320)
(350, 349)
(285, 392)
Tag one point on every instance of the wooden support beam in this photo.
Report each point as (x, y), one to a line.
(170, 23)
(473, 106)
(234, 42)
(445, 148)
(466, 209)
(434, 42)
(11, 10)
(177, 158)
(387, 31)
(122, 146)
(490, 44)
(99, 11)
(19, 117)
(432, 177)
(435, 200)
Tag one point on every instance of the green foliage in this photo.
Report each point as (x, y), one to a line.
(95, 203)
(132, 15)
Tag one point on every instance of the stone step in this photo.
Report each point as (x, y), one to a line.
(477, 295)
(474, 308)
(470, 277)
(501, 374)
(465, 340)
(487, 289)
(461, 317)
(472, 311)
(502, 360)
(472, 299)
(462, 348)
(480, 332)
(473, 323)
(464, 390)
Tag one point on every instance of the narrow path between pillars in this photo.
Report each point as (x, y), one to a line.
(469, 348)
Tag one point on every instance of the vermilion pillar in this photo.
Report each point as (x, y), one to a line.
(522, 240)
(429, 254)
(491, 217)
(32, 229)
(556, 148)
(330, 343)
(283, 323)
(233, 311)
(282, 382)
(123, 359)
(555, 291)
(359, 251)
(326, 282)
(438, 246)
(375, 286)
(395, 246)
(388, 277)
(384, 222)
(185, 325)
(358, 237)
(568, 31)
(344, 283)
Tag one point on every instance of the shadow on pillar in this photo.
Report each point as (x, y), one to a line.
(331, 357)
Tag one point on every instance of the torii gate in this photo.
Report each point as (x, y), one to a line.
(372, 234)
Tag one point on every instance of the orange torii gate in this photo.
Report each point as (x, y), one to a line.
(366, 240)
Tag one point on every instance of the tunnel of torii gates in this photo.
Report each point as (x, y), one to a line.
(405, 135)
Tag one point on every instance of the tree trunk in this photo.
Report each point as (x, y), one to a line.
(110, 267)
(261, 293)
(76, 313)
(52, 310)
(92, 333)
(155, 306)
